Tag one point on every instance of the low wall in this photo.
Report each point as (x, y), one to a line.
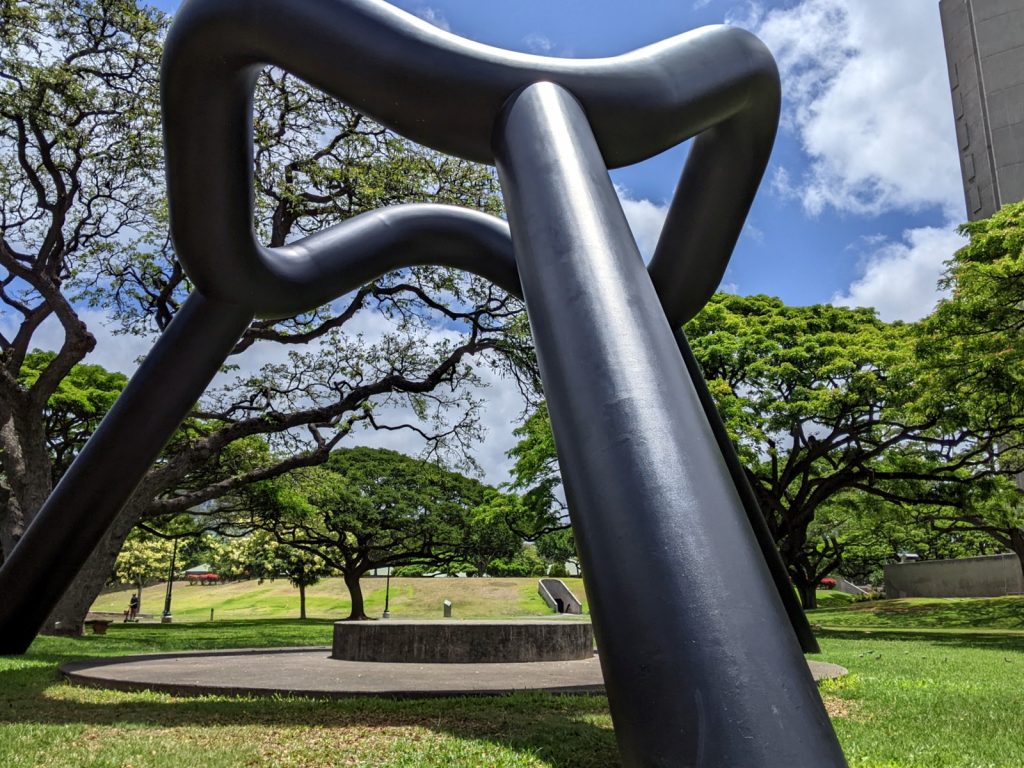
(463, 642)
(553, 591)
(988, 576)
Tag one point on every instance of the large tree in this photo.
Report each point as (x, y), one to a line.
(79, 144)
(143, 558)
(75, 408)
(857, 534)
(822, 401)
(973, 349)
(370, 508)
(973, 344)
(85, 224)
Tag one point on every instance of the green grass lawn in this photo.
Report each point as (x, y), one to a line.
(833, 598)
(1005, 613)
(917, 696)
(411, 598)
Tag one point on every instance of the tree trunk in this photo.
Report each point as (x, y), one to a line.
(26, 467)
(808, 594)
(355, 591)
(69, 614)
(302, 601)
(1017, 547)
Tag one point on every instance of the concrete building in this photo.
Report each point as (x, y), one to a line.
(985, 52)
(986, 576)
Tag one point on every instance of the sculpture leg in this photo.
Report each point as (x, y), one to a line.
(776, 567)
(700, 663)
(94, 489)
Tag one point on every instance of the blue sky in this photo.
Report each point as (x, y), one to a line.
(862, 198)
(830, 223)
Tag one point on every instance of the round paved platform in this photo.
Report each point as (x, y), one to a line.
(312, 672)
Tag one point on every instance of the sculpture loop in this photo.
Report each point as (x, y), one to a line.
(690, 603)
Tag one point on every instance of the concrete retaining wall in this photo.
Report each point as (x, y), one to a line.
(463, 642)
(553, 591)
(988, 576)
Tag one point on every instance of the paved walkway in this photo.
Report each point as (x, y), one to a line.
(312, 672)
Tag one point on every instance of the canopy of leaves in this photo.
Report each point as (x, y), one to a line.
(973, 344)
(824, 401)
(74, 410)
(370, 508)
(142, 558)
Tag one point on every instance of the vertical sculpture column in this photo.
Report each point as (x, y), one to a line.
(700, 664)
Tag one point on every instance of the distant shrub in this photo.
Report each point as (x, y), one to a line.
(557, 571)
(869, 596)
(827, 583)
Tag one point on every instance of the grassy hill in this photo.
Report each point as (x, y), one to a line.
(411, 598)
(422, 598)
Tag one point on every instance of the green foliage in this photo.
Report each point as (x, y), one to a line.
(74, 410)
(373, 508)
(972, 350)
(825, 404)
(142, 558)
(489, 534)
(558, 548)
(301, 568)
(526, 562)
(535, 474)
(244, 557)
(867, 531)
(775, 370)
(973, 343)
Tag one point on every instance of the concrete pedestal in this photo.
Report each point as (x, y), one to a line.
(462, 642)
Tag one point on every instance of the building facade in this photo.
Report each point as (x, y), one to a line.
(985, 53)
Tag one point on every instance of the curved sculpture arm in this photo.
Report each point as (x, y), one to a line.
(442, 91)
(319, 268)
(707, 213)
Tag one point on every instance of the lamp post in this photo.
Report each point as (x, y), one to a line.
(167, 618)
(387, 594)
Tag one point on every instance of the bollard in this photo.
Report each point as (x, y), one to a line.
(447, 609)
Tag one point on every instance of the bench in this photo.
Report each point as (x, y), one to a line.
(99, 626)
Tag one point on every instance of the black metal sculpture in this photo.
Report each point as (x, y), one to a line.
(702, 667)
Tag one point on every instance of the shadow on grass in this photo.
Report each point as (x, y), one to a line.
(564, 731)
(1000, 641)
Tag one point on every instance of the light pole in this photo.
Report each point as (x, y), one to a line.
(387, 594)
(167, 618)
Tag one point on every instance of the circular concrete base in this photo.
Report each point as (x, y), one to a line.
(463, 642)
(312, 672)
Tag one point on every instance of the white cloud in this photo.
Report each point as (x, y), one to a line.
(698, 4)
(434, 16)
(538, 43)
(114, 352)
(645, 218)
(900, 278)
(867, 95)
